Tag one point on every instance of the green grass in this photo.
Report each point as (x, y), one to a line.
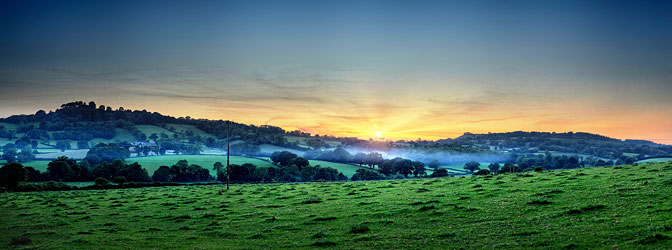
(152, 163)
(664, 159)
(624, 207)
(460, 166)
(268, 148)
(151, 129)
(347, 169)
(40, 165)
(179, 128)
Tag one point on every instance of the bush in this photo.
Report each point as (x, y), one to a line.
(483, 172)
(100, 181)
(119, 180)
(441, 172)
(509, 168)
(539, 169)
(398, 177)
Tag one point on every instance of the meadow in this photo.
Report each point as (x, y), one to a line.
(622, 207)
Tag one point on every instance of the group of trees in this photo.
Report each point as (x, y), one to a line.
(181, 172)
(11, 153)
(68, 170)
(292, 167)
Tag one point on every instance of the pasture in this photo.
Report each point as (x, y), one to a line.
(625, 207)
(152, 163)
(662, 159)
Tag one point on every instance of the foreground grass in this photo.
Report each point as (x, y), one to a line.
(624, 207)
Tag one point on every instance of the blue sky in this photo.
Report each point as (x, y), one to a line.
(408, 69)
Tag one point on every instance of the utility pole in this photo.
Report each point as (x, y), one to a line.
(228, 139)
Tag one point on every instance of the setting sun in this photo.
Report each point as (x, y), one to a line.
(379, 134)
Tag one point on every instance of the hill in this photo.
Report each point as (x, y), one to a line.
(623, 207)
(571, 143)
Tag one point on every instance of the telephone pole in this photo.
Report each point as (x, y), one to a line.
(228, 139)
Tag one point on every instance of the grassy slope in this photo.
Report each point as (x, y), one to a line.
(182, 127)
(347, 169)
(655, 160)
(152, 163)
(624, 207)
(151, 129)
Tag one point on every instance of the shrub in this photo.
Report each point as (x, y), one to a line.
(441, 172)
(509, 168)
(539, 169)
(100, 181)
(119, 180)
(482, 172)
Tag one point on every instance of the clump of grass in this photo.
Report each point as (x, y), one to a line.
(312, 199)
(325, 218)
(539, 202)
(319, 235)
(446, 235)
(421, 190)
(427, 208)
(324, 243)
(650, 239)
(359, 229)
(21, 240)
(586, 209)
(257, 236)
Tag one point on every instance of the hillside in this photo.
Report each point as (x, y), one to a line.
(570, 143)
(623, 207)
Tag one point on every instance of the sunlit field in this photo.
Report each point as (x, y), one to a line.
(621, 207)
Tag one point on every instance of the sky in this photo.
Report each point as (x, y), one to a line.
(399, 69)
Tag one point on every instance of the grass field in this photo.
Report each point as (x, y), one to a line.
(152, 163)
(347, 169)
(183, 127)
(624, 207)
(664, 159)
(268, 148)
(151, 129)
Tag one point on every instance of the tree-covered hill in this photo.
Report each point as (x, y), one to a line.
(571, 142)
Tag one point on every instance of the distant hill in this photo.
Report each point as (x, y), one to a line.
(571, 142)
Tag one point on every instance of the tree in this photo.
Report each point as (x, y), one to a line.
(403, 166)
(367, 174)
(109, 152)
(11, 174)
(374, 159)
(509, 168)
(472, 166)
(359, 158)
(218, 167)
(163, 174)
(434, 164)
(63, 145)
(61, 169)
(418, 169)
(282, 158)
(494, 167)
(441, 172)
(483, 172)
(299, 162)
